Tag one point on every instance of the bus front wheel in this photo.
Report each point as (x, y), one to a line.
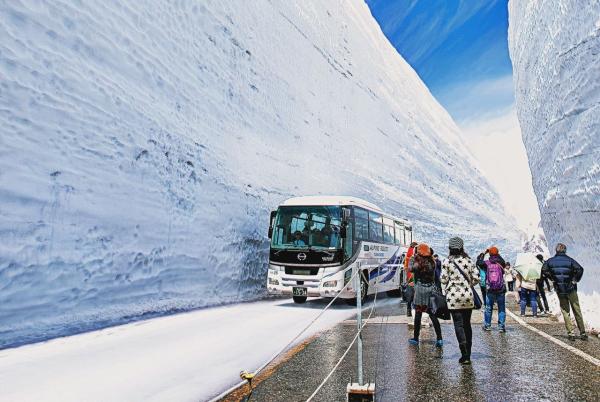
(364, 289)
(299, 299)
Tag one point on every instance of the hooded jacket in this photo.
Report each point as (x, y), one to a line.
(564, 271)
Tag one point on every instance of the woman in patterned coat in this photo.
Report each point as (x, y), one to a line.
(459, 294)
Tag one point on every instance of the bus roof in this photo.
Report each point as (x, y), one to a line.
(336, 200)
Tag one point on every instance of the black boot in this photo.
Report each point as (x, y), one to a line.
(464, 359)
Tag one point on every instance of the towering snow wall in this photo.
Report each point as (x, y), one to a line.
(143, 145)
(555, 50)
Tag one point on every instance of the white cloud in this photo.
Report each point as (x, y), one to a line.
(482, 99)
(497, 145)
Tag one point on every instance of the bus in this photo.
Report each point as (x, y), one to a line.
(317, 242)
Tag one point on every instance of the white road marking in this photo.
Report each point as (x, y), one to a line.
(560, 343)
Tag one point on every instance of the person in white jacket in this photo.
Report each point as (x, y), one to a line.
(527, 292)
(508, 276)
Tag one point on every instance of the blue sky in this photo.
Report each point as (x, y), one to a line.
(459, 48)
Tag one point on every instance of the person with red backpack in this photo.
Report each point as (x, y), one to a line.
(495, 287)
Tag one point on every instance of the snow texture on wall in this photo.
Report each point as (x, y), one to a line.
(142, 146)
(555, 50)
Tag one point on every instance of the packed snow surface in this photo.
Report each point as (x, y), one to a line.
(143, 144)
(555, 51)
(184, 357)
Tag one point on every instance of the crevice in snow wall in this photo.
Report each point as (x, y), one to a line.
(555, 51)
(143, 145)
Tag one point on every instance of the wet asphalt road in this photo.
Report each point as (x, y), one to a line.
(518, 365)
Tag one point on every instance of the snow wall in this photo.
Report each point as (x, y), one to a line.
(142, 146)
(555, 51)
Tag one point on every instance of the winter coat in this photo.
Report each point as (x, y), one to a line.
(454, 285)
(564, 271)
(521, 283)
(508, 275)
(408, 275)
(422, 268)
(482, 264)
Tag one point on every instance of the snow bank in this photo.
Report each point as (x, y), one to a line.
(182, 357)
(142, 146)
(555, 50)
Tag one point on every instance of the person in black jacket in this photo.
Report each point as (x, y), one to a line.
(545, 309)
(565, 272)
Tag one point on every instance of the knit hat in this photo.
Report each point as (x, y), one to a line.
(456, 243)
(493, 250)
(423, 250)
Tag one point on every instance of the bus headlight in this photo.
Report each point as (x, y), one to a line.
(330, 284)
(273, 281)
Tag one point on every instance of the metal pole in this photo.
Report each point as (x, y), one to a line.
(359, 324)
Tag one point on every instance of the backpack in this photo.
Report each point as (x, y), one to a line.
(495, 276)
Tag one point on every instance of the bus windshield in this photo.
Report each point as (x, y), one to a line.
(308, 227)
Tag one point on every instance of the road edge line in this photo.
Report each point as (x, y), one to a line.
(560, 343)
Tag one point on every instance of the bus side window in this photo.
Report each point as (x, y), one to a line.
(399, 236)
(361, 226)
(388, 230)
(375, 227)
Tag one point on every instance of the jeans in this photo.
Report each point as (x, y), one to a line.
(573, 300)
(542, 293)
(531, 296)
(462, 327)
(492, 298)
(434, 321)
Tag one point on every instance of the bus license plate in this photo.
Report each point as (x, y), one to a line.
(299, 292)
(302, 272)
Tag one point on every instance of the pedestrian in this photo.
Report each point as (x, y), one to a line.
(565, 272)
(459, 275)
(542, 301)
(508, 275)
(409, 289)
(495, 288)
(482, 278)
(438, 270)
(527, 294)
(422, 267)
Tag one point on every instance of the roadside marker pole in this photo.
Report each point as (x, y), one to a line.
(359, 391)
(357, 282)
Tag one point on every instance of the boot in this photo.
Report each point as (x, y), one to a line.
(464, 359)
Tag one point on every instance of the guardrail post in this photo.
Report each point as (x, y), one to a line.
(357, 282)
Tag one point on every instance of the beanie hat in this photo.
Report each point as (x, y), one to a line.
(456, 243)
(423, 250)
(493, 250)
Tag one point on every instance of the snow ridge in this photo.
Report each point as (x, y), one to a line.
(142, 147)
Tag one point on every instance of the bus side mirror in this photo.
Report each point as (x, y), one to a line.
(271, 220)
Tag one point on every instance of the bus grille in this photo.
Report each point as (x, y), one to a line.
(301, 271)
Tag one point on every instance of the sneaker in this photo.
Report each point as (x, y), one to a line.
(439, 343)
(502, 329)
(583, 337)
(413, 341)
(464, 361)
(522, 314)
(571, 337)
(487, 328)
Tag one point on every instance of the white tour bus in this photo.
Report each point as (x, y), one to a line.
(316, 242)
